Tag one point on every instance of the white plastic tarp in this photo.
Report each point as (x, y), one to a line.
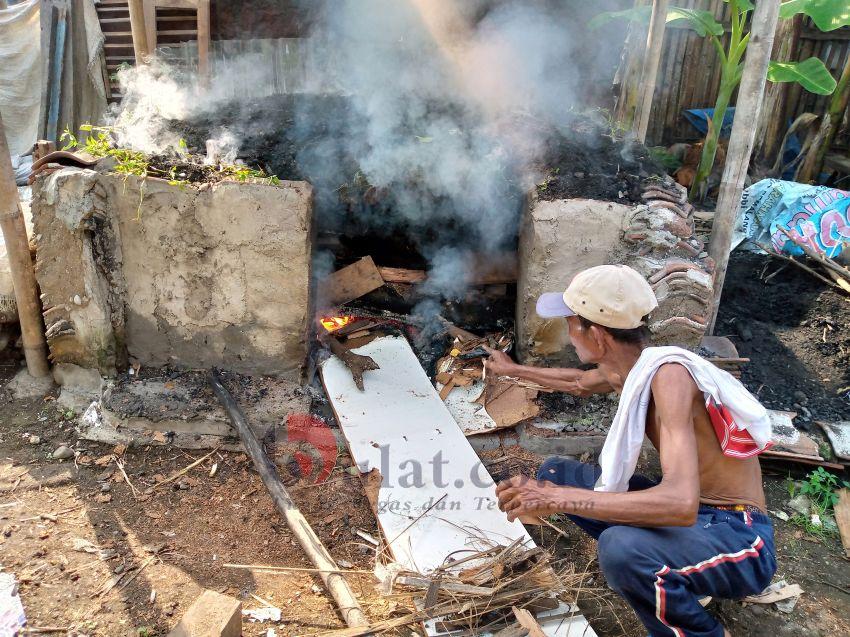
(20, 74)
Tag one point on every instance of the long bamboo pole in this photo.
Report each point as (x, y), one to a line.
(141, 46)
(750, 95)
(651, 61)
(301, 529)
(20, 263)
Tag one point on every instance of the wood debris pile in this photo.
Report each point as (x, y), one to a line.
(465, 387)
(482, 591)
(463, 364)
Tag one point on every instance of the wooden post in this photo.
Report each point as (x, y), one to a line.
(301, 529)
(651, 61)
(4, 4)
(141, 46)
(772, 121)
(628, 75)
(204, 40)
(20, 263)
(750, 95)
(812, 163)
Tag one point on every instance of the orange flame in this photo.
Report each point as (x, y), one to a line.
(333, 323)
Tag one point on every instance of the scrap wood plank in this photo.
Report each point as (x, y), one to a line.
(786, 437)
(400, 427)
(770, 454)
(528, 622)
(842, 518)
(352, 282)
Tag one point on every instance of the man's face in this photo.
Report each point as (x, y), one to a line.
(583, 340)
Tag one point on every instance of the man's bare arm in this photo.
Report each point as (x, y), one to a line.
(673, 502)
(573, 381)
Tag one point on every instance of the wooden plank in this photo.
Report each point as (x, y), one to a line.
(351, 282)
(796, 457)
(402, 275)
(842, 518)
(833, 36)
(482, 276)
(435, 497)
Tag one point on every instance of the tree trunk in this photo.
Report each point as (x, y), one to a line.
(812, 163)
(773, 118)
(741, 140)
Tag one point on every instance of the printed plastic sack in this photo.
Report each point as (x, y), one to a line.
(815, 215)
(12, 617)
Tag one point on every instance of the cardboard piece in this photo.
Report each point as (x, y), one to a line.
(508, 403)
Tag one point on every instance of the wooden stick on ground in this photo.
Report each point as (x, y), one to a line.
(184, 470)
(802, 266)
(840, 275)
(311, 544)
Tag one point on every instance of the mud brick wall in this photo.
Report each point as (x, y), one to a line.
(148, 272)
(559, 238)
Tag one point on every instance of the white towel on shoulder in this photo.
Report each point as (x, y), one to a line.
(741, 423)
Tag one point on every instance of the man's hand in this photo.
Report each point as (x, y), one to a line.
(499, 363)
(522, 496)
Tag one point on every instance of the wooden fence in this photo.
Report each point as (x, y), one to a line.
(689, 76)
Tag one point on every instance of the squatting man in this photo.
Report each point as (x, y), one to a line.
(701, 530)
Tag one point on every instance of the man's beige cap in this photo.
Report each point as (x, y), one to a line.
(610, 295)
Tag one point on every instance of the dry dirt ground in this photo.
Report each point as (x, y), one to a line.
(169, 544)
(161, 549)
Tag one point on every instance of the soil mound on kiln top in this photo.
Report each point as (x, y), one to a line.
(588, 162)
(288, 135)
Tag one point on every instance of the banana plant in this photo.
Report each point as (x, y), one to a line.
(811, 73)
(827, 15)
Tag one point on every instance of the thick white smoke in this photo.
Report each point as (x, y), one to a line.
(452, 102)
(450, 110)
